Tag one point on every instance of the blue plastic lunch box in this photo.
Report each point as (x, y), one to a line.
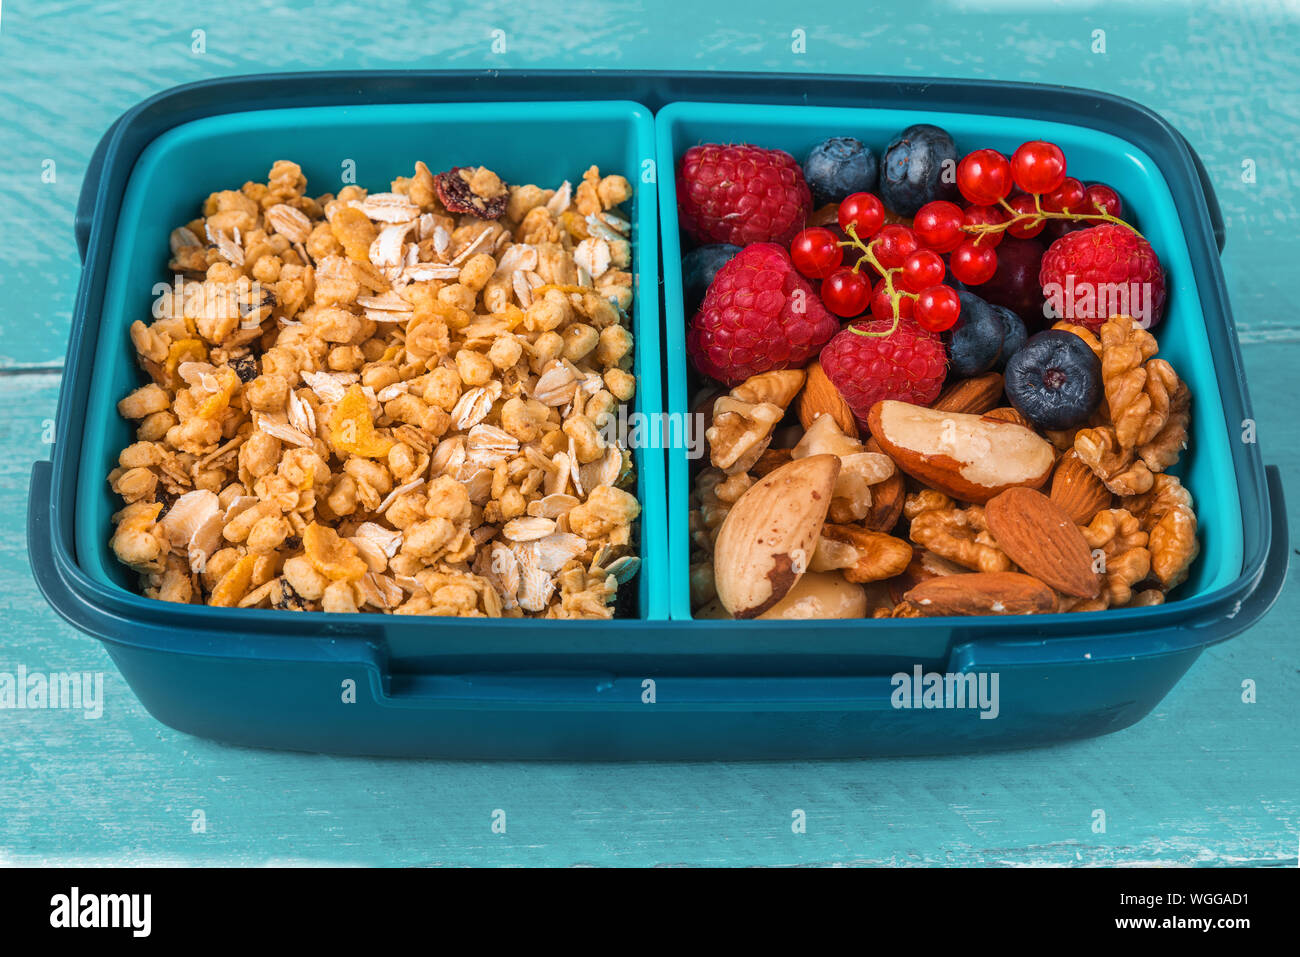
(658, 684)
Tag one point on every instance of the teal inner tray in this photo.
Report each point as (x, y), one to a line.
(543, 143)
(1206, 467)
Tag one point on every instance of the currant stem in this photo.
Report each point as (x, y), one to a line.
(979, 230)
(894, 295)
(876, 335)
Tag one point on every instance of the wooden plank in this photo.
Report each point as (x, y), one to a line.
(1205, 780)
(1221, 76)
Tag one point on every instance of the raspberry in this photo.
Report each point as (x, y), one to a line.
(759, 314)
(909, 364)
(1090, 274)
(741, 195)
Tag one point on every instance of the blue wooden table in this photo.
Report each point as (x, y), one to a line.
(1207, 779)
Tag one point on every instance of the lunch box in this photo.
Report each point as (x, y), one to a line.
(656, 684)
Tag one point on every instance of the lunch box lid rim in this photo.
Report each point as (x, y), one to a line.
(632, 85)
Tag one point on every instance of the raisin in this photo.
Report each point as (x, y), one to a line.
(167, 498)
(257, 303)
(286, 599)
(245, 367)
(453, 189)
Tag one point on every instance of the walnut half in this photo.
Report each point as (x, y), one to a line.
(1166, 514)
(958, 534)
(1119, 468)
(1118, 535)
(866, 556)
(1147, 402)
(743, 419)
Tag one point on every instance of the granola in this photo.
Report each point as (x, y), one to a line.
(388, 401)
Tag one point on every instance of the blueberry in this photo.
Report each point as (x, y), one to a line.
(975, 342)
(837, 167)
(699, 266)
(1014, 334)
(1054, 381)
(912, 169)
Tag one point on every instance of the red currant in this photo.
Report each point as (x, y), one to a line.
(816, 252)
(882, 308)
(984, 216)
(922, 269)
(1066, 197)
(1038, 166)
(894, 244)
(846, 293)
(984, 177)
(1025, 228)
(973, 264)
(938, 308)
(1102, 198)
(938, 226)
(865, 212)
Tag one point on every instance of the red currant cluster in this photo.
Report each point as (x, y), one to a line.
(910, 277)
(985, 178)
(908, 262)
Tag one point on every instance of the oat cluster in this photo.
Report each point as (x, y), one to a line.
(375, 402)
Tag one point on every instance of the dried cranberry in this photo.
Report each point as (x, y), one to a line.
(455, 193)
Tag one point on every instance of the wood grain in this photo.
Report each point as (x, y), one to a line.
(1206, 780)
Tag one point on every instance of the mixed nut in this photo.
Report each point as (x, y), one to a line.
(958, 508)
(388, 401)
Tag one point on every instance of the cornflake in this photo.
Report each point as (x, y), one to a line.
(416, 431)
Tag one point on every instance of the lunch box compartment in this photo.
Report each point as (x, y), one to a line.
(1206, 467)
(642, 687)
(369, 145)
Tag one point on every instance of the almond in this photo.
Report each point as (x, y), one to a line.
(1007, 414)
(1039, 535)
(976, 396)
(769, 536)
(969, 457)
(912, 576)
(1078, 490)
(981, 593)
(820, 397)
(923, 566)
